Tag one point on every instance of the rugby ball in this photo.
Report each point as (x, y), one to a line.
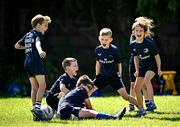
(47, 112)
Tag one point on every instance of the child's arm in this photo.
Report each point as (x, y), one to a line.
(136, 64)
(64, 89)
(18, 46)
(42, 54)
(158, 62)
(120, 70)
(88, 103)
(97, 67)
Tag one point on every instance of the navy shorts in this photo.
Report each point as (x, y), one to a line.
(131, 72)
(33, 68)
(147, 67)
(66, 111)
(102, 81)
(52, 101)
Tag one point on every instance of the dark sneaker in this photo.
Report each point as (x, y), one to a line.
(151, 107)
(37, 114)
(120, 114)
(140, 113)
(34, 116)
(131, 108)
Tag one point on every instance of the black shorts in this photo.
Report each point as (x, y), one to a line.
(102, 81)
(34, 68)
(147, 67)
(52, 101)
(66, 111)
(131, 72)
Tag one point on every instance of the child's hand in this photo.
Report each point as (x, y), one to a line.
(136, 73)
(42, 54)
(60, 95)
(159, 72)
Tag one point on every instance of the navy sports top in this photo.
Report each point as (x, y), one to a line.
(132, 40)
(145, 51)
(75, 98)
(108, 59)
(70, 83)
(29, 41)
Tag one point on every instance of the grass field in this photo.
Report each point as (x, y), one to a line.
(15, 112)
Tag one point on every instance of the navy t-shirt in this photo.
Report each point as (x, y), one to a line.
(132, 40)
(145, 51)
(108, 59)
(29, 41)
(70, 83)
(75, 97)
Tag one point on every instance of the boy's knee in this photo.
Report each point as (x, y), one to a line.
(125, 97)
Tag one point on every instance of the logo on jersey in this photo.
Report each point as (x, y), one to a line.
(99, 54)
(143, 57)
(69, 85)
(146, 50)
(105, 61)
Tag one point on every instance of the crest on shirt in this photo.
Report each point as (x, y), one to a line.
(146, 50)
(99, 54)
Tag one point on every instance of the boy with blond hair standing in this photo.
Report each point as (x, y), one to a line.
(109, 67)
(33, 64)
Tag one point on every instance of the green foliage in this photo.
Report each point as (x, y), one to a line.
(173, 5)
(161, 10)
(16, 112)
(51, 73)
(15, 76)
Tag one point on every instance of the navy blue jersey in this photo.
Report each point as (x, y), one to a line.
(75, 97)
(132, 40)
(70, 83)
(145, 51)
(33, 64)
(108, 59)
(29, 41)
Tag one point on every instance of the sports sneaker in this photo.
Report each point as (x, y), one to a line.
(140, 113)
(73, 117)
(151, 107)
(37, 114)
(34, 116)
(131, 108)
(120, 114)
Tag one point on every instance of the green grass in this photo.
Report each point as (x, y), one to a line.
(15, 112)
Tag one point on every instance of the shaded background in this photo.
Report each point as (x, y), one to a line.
(74, 30)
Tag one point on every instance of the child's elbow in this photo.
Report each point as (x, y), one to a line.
(17, 46)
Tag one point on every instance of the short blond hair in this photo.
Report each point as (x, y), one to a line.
(105, 32)
(39, 19)
(67, 62)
